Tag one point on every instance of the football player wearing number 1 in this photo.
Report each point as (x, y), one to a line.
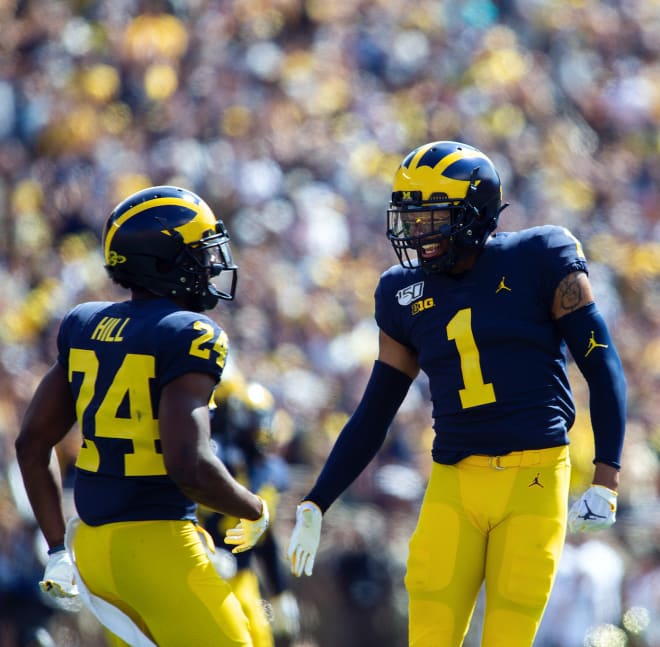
(137, 377)
(487, 317)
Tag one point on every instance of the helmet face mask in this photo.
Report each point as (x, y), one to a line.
(214, 259)
(446, 201)
(167, 240)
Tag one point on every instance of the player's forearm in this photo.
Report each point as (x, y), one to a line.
(211, 484)
(607, 476)
(363, 435)
(595, 354)
(42, 485)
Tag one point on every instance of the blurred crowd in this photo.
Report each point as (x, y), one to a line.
(289, 117)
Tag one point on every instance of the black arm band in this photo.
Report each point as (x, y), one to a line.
(363, 434)
(593, 350)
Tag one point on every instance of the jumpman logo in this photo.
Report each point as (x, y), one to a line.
(536, 481)
(589, 514)
(502, 286)
(593, 344)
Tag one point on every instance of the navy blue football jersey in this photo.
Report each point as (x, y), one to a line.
(486, 340)
(118, 357)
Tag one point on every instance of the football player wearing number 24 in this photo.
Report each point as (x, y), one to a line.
(487, 316)
(137, 377)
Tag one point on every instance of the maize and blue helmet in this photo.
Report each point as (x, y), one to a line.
(167, 240)
(443, 191)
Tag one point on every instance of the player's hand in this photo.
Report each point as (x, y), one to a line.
(247, 533)
(59, 577)
(594, 510)
(305, 538)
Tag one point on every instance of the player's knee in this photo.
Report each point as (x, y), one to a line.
(509, 628)
(528, 566)
(432, 624)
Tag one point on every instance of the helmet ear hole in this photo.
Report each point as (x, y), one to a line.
(164, 267)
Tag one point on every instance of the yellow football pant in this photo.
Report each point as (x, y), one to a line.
(158, 573)
(498, 519)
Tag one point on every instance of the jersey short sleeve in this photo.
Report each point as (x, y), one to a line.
(195, 344)
(407, 287)
(559, 253)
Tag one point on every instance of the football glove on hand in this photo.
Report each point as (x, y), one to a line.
(247, 533)
(60, 576)
(305, 538)
(594, 510)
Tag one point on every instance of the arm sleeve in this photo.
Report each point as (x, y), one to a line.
(363, 434)
(593, 350)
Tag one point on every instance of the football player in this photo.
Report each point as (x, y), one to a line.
(137, 376)
(487, 317)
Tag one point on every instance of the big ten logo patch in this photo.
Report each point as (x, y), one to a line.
(423, 304)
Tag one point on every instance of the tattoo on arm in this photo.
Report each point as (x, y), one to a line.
(570, 293)
(573, 292)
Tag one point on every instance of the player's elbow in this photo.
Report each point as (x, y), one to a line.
(24, 449)
(29, 450)
(183, 468)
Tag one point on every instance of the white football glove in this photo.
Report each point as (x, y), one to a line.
(60, 576)
(594, 510)
(305, 538)
(247, 533)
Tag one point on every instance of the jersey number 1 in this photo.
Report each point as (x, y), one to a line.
(475, 392)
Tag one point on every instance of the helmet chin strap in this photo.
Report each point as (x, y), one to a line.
(446, 263)
(460, 245)
(202, 302)
(208, 299)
